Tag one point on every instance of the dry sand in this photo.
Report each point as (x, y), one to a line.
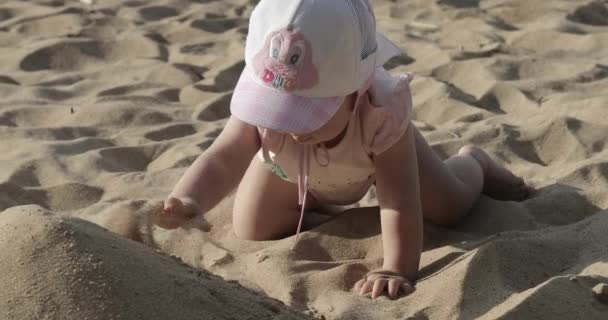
(104, 105)
(67, 268)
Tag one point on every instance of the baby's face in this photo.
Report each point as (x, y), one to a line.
(332, 128)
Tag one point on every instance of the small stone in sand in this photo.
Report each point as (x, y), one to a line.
(600, 291)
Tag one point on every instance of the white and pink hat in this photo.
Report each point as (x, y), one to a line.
(302, 58)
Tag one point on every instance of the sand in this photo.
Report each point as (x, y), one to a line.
(105, 104)
(68, 268)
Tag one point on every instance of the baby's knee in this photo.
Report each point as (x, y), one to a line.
(244, 233)
(449, 212)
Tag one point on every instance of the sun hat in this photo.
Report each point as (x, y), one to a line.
(302, 58)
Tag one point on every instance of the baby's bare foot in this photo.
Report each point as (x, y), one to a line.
(499, 183)
(176, 211)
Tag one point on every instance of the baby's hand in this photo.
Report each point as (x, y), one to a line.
(379, 280)
(176, 211)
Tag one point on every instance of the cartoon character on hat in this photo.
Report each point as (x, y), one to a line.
(285, 62)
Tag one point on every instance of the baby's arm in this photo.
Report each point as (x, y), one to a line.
(398, 191)
(215, 173)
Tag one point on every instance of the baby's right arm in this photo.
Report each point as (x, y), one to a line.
(213, 174)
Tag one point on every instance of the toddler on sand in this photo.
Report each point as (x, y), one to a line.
(316, 120)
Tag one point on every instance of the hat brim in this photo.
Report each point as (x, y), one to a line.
(269, 108)
(386, 50)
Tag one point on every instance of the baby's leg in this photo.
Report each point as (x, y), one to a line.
(450, 188)
(266, 206)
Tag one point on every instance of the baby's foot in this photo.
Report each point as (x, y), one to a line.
(176, 211)
(499, 183)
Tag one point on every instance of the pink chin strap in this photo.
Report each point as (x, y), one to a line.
(304, 171)
(303, 176)
(304, 165)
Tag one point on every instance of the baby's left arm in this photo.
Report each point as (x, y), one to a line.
(398, 191)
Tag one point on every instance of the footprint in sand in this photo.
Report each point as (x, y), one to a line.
(599, 72)
(32, 116)
(71, 196)
(572, 28)
(13, 195)
(195, 72)
(62, 81)
(122, 90)
(77, 54)
(225, 80)
(8, 80)
(204, 1)
(169, 95)
(53, 3)
(5, 14)
(402, 60)
(67, 22)
(127, 159)
(156, 13)
(204, 146)
(197, 49)
(63, 133)
(576, 138)
(216, 110)
(26, 175)
(460, 3)
(500, 24)
(63, 197)
(119, 112)
(171, 132)
(216, 25)
(134, 3)
(594, 13)
(79, 146)
(505, 69)
(52, 94)
(62, 56)
(213, 134)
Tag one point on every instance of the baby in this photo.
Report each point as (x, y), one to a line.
(316, 120)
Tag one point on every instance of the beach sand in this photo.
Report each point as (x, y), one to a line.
(105, 104)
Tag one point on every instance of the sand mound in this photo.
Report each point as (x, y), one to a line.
(67, 268)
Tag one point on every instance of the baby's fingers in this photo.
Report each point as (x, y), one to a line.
(167, 220)
(379, 286)
(393, 287)
(359, 284)
(172, 205)
(366, 287)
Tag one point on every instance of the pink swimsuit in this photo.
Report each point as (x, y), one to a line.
(342, 174)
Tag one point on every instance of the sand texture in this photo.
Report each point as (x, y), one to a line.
(104, 105)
